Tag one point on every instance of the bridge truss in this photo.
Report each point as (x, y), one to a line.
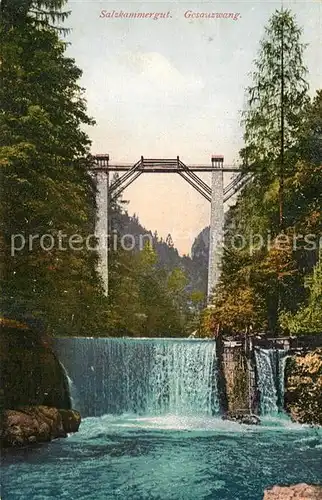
(217, 194)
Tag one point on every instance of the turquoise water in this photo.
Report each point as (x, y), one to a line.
(164, 458)
(152, 430)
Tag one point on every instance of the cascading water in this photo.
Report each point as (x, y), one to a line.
(71, 387)
(281, 377)
(142, 376)
(270, 364)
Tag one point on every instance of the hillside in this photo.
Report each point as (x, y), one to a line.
(194, 266)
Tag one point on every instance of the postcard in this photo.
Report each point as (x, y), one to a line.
(161, 250)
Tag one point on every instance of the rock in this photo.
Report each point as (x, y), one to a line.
(33, 424)
(296, 492)
(243, 418)
(250, 420)
(303, 387)
(71, 420)
(31, 374)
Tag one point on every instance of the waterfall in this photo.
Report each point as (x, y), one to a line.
(71, 387)
(141, 376)
(270, 365)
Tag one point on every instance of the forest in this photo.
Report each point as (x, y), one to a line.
(276, 287)
(47, 188)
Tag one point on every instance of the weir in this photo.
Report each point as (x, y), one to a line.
(141, 376)
(184, 377)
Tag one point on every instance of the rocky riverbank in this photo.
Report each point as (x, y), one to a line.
(36, 424)
(296, 492)
(31, 374)
(35, 404)
(303, 387)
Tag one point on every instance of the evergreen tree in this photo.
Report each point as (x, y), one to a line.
(46, 187)
(276, 101)
(264, 281)
(42, 13)
(169, 241)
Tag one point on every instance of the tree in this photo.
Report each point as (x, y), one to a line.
(261, 280)
(177, 281)
(42, 13)
(276, 101)
(308, 318)
(46, 187)
(169, 241)
(145, 298)
(311, 136)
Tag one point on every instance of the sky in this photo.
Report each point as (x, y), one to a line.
(174, 86)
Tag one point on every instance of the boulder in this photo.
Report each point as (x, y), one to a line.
(36, 424)
(71, 420)
(243, 418)
(296, 492)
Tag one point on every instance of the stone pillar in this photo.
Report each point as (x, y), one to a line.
(102, 226)
(216, 224)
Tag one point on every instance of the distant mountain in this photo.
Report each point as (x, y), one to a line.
(195, 267)
(199, 256)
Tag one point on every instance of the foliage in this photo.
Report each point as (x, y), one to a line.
(308, 318)
(146, 298)
(263, 279)
(46, 188)
(42, 13)
(303, 387)
(278, 85)
(207, 327)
